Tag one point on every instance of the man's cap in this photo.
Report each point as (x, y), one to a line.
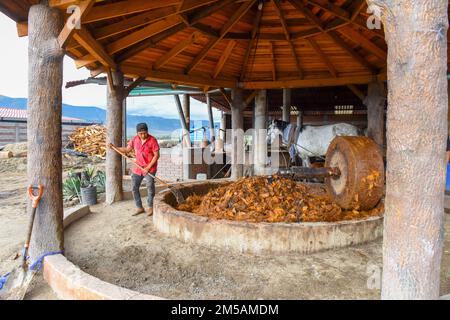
(141, 127)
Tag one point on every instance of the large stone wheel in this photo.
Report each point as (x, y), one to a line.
(361, 183)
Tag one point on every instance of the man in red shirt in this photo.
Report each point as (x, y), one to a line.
(146, 149)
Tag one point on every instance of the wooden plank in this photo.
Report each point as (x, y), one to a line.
(166, 57)
(178, 78)
(142, 34)
(134, 85)
(86, 40)
(123, 8)
(192, 4)
(274, 65)
(357, 92)
(22, 28)
(85, 61)
(309, 83)
(133, 22)
(307, 13)
(209, 10)
(73, 21)
(323, 57)
(358, 5)
(224, 58)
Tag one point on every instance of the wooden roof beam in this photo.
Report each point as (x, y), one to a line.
(74, 20)
(288, 36)
(357, 37)
(226, 54)
(358, 5)
(309, 83)
(255, 29)
(323, 57)
(331, 8)
(142, 34)
(86, 40)
(237, 15)
(166, 57)
(124, 8)
(274, 65)
(307, 13)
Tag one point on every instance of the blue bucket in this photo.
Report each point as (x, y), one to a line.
(447, 183)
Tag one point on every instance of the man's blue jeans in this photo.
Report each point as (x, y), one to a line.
(137, 180)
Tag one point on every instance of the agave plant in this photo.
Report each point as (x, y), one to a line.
(72, 187)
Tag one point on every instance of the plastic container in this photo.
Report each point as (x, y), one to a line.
(89, 196)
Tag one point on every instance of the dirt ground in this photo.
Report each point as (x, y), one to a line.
(128, 251)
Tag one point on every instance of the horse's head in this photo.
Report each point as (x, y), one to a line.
(274, 129)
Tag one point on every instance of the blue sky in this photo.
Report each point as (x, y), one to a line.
(14, 79)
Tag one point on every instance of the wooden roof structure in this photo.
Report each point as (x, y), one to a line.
(250, 44)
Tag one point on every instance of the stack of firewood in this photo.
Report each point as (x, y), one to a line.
(90, 140)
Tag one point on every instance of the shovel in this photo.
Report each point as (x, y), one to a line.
(177, 193)
(19, 279)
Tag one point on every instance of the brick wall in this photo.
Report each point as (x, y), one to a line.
(170, 167)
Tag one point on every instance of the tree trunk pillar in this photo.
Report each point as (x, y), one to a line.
(44, 127)
(287, 105)
(416, 33)
(260, 143)
(237, 126)
(375, 102)
(114, 119)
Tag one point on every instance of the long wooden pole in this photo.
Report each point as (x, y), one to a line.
(416, 33)
(44, 163)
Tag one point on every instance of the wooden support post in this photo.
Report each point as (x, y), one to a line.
(211, 119)
(44, 127)
(187, 110)
(124, 135)
(237, 126)
(375, 102)
(287, 105)
(260, 143)
(114, 118)
(186, 140)
(416, 33)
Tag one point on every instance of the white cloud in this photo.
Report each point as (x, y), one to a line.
(14, 81)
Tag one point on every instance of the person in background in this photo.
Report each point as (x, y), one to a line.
(146, 149)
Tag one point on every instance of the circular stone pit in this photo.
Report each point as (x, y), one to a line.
(257, 237)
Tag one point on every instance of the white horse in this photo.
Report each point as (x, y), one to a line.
(309, 141)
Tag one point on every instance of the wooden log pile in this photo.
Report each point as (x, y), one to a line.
(90, 140)
(260, 199)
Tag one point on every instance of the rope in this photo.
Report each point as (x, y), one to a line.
(37, 265)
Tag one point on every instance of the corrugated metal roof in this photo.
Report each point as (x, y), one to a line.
(22, 114)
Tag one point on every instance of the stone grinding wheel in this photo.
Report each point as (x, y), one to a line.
(361, 183)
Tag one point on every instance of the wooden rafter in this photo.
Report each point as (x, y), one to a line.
(274, 65)
(356, 91)
(307, 13)
(134, 85)
(86, 40)
(238, 14)
(331, 8)
(352, 52)
(124, 8)
(358, 6)
(142, 34)
(288, 36)
(70, 26)
(166, 57)
(357, 37)
(223, 58)
(323, 57)
(195, 17)
(255, 29)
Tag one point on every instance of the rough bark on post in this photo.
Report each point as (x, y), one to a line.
(114, 112)
(260, 143)
(237, 126)
(44, 127)
(416, 33)
(375, 102)
(287, 105)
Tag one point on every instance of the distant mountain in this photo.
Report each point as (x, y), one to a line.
(158, 125)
